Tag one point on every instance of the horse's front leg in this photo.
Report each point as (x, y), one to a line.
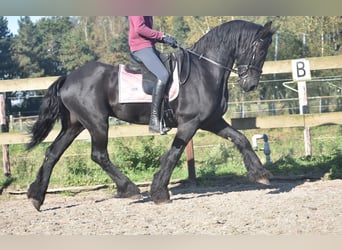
(161, 179)
(256, 172)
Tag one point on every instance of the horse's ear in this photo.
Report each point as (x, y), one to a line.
(266, 30)
(268, 25)
(274, 29)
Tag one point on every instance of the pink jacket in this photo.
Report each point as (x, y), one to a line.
(141, 35)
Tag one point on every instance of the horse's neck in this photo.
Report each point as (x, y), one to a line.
(220, 52)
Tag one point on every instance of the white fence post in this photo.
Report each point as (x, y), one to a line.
(301, 73)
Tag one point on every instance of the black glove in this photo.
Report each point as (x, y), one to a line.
(170, 41)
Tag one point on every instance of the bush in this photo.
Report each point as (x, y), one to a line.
(327, 167)
(221, 160)
(142, 153)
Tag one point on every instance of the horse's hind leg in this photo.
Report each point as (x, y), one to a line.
(37, 190)
(256, 173)
(125, 187)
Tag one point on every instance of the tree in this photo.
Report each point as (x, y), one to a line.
(26, 49)
(50, 32)
(102, 38)
(75, 50)
(109, 39)
(7, 65)
(180, 29)
(118, 47)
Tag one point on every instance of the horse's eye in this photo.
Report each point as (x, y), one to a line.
(262, 53)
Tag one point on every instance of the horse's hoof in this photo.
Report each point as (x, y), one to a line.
(36, 204)
(132, 197)
(161, 197)
(128, 195)
(131, 192)
(261, 177)
(161, 202)
(263, 181)
(136, 197)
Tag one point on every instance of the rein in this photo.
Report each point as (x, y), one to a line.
(201, 56)
(237, 71)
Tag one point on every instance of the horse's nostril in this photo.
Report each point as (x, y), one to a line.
(248, 88)
(253, 88)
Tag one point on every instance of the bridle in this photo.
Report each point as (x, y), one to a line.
(241, 70)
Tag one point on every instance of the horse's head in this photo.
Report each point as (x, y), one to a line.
(251, 60)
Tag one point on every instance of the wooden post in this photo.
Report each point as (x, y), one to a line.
(5, 151)
(191, 161)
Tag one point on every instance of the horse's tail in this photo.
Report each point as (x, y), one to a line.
(49, 112)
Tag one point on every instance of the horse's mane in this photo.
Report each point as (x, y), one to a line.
(234, 33)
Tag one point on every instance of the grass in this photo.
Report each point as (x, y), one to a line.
(138, 158)
(327, 167)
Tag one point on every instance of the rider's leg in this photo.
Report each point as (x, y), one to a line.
(152, 62)
(157, 98)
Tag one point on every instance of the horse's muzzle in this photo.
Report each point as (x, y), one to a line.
(248, 84)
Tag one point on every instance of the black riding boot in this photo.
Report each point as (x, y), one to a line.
(157, 98)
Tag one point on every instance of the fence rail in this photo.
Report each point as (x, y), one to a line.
(275, 107)
(271, 67)
(283, 121)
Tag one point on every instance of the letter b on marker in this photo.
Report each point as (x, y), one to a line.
(301, 70)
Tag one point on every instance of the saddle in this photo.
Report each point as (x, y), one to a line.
(149, 81)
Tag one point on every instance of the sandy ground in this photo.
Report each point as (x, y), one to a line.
(284, 208)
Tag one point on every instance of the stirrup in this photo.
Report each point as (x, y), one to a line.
(163, 128)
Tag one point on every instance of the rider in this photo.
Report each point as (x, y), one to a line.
(142, 38)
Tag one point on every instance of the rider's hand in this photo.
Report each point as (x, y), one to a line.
(170, 41)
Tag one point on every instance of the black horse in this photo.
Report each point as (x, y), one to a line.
(86, 98)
